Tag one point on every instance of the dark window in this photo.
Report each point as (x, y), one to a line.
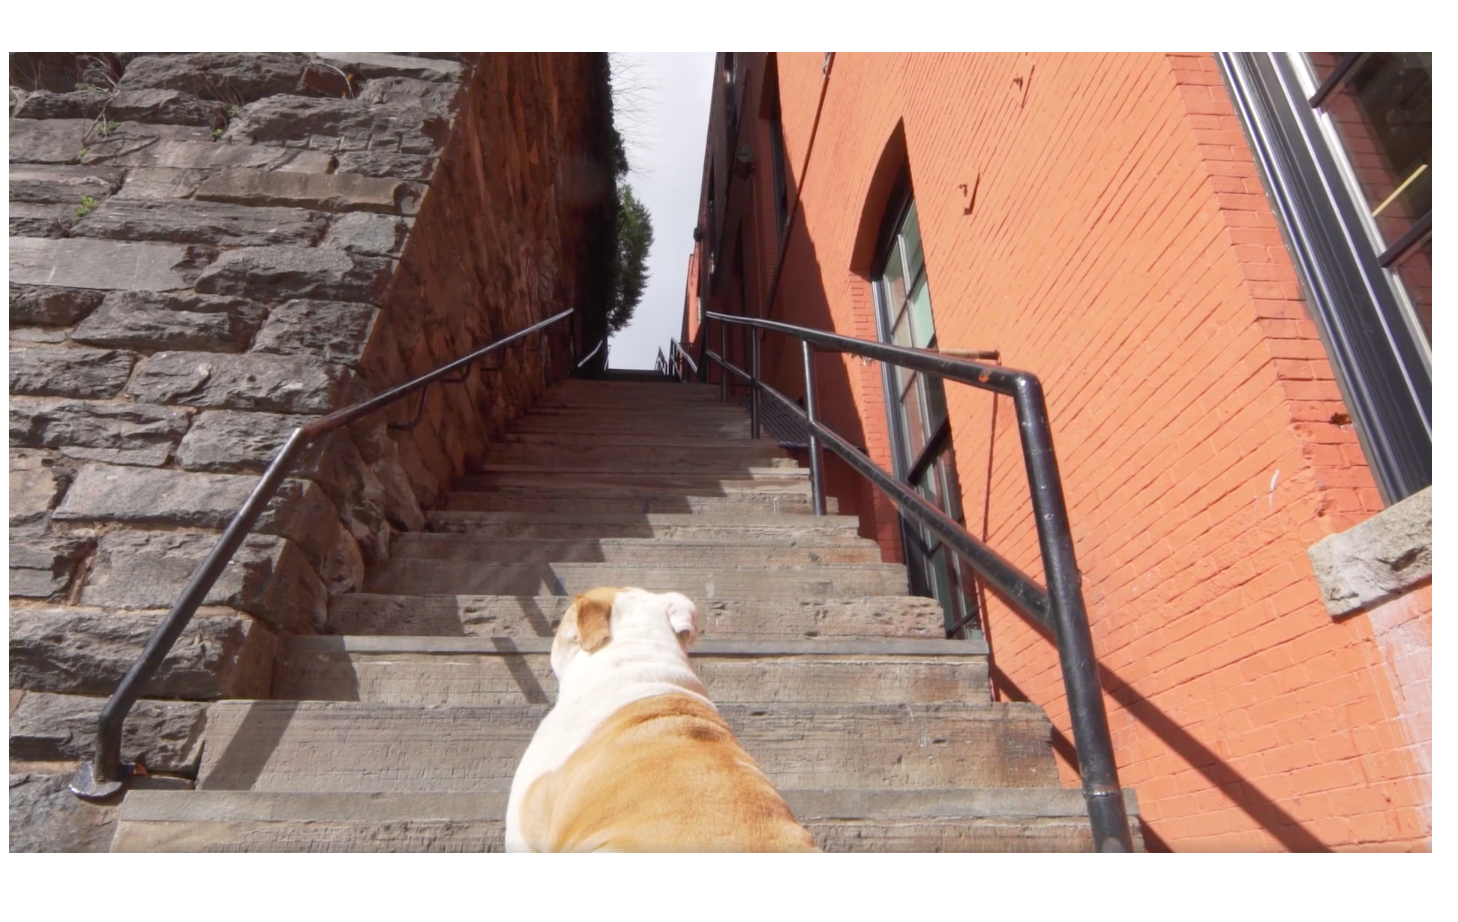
(917, 404)
(1343, 141)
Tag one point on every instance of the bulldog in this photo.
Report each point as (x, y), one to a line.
(634, 756)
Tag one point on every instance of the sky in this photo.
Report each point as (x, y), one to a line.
(662, 110)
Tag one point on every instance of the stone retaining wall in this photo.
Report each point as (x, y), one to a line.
(209, 249)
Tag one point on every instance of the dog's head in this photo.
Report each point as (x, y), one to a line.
(599, 615)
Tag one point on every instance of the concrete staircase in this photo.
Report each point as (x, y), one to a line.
(402, 729)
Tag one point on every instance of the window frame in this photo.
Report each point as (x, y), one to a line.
(1382, 367)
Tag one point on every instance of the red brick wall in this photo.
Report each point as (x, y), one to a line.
(1099, 220)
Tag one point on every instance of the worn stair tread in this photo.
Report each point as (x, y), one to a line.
(997, 819)
(772, 554)
(537, 616)
(809, 803)
(559, 525)
(757, 504)
(885, 647)
(767, 480)
(413, 576)
(448, 671)
(358, 747)
(766, 447)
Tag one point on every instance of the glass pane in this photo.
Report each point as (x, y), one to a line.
(923, 330)
(936, 402)
(911, 416)
(895, 281)
(1383, 114)
(1415, 269)
(901, 336)
(1323, 62)
(911, 239)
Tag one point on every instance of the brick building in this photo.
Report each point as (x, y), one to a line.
(1219, 267)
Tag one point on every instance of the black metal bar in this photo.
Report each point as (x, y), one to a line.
(724, 352)
(1060, 610)
(817, 473)
(997, 378)
(105, 774)
(1090, 722)
(754, 384)
(1338, 75)
(1418, 231)
(693, 366)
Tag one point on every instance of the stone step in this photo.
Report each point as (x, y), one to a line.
(899, 616)
(449, 671)
(351, 747)
(564, 472)
(952, 820)
(519, 551)
(601, 423)
(584, 441)
(643, 502)
(804, 529)
(707, 456)
(412, 576)
(669, 402)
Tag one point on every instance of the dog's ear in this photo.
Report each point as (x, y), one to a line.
(683, 615)
(594, 616)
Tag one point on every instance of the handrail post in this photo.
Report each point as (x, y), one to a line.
(723, 357)
(817, 474)
(1095, 748)
(106, 773)
(753, 383)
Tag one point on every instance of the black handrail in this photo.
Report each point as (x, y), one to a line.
(106, 774)
(1058, 611)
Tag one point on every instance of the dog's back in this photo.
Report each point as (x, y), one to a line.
(634, 757)
(662, 774)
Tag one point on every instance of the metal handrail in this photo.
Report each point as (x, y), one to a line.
(1058, 610)
(106, 774)
(678, 347)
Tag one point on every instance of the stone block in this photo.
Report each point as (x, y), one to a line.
(161, 183)
(271, 383)
(187, 154)
(180, 320)
(62, 185)
(48, 140)
(50, 371)
(279, 273)
(228, 77)
(368, 234)
(39, 336)
(372, 65)
(165, 736)
(46, 817)
(339, 124)
(214, 223)
(33, 494)
(40, 220)
(87, 651)
(102, 264)
(52, 307)
(335, 331)
(123, 433)
(406, 91)
(1378, 559)
(324, 191)
(269, 577)
(227, 441)
(41, 566)
(377, 162)
(152, 106)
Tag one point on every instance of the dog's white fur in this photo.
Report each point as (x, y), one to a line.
(647, 656)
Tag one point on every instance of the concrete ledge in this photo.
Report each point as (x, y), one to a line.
(1377, 560)
(511, 646)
